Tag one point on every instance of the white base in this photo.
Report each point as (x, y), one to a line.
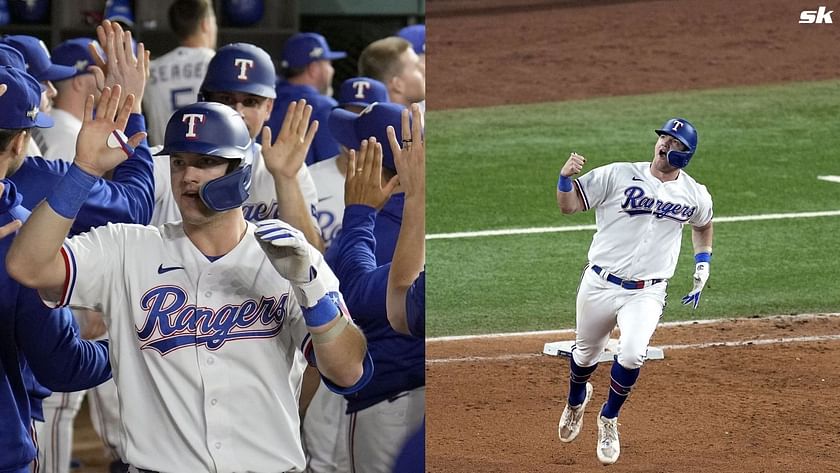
(564, 348)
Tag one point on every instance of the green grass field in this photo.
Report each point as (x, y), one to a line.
(760, 150)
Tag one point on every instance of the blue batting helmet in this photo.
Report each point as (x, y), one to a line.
(240, 67)
(217, 130)
(243, 12)
(684, 131)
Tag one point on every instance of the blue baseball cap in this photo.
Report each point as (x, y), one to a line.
(303, 48)
(37, 57)
(416, 35)
(362, 91)
(10, 56)
(21, 100)
(74, 53)
(350, 128)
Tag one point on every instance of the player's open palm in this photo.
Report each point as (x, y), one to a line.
(410, 158)
(363, 185)
(573, 165)
(285, 155)
(122, 66)
(102, 144)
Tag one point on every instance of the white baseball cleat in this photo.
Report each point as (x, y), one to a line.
(608, 446)
(572, 419)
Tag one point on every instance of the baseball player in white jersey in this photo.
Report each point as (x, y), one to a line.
(176, 76)
(242, 76)
(640, 210)
(208, 316)
(355, 94)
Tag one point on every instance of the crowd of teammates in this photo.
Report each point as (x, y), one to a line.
(242, 251)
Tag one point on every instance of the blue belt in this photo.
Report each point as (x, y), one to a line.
(625, 283)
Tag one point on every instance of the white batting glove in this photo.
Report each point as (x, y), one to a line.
(701, 275)
(293, 258)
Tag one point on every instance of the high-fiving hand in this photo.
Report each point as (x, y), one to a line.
(363, 184)
(98, 148)
(287, 153)
(410, 158)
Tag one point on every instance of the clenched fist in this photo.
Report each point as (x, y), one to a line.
(573, 166)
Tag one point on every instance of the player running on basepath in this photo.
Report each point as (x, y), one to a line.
(640, 210)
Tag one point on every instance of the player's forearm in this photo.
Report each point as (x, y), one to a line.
(340, 359)
(569, 202)
(309, 385)
(409, 258)
(701, 238)
(292, 209)
(34, 259)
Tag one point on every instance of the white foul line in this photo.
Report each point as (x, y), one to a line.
(575, 228)
(829, 178)
(737, 343)
(680, 323)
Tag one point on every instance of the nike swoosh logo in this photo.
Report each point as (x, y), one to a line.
(637, 179)
(324, 198)
(162, 270)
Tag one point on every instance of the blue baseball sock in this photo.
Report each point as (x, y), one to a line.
(578, 376)
(621, 382)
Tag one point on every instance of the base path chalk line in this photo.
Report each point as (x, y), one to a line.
(695, 346)
(681, 323)
(576, 228)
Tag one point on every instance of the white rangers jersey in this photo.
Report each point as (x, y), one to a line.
(173, 83)
(206, 355)
(639, 218)
(59, 141)
(330, 209)
(261, 203)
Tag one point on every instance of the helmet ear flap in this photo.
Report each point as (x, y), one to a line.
(679, 159)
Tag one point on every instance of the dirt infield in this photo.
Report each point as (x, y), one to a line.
(749, 408)
(746, 408)
(491, 52)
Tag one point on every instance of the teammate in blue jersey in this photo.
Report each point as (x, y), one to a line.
(397, 389)
(128, 197)
(350, 129)
(308, 74)
(34, 341)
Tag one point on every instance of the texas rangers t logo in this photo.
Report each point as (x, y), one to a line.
(677, 125)
(190, 119)
(361, 86)
(243, 65)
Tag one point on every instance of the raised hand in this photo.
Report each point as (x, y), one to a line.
(101, 144)
(122, 67)
(364, 177)
(573, 165)
(285, 156)
(410, 158)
